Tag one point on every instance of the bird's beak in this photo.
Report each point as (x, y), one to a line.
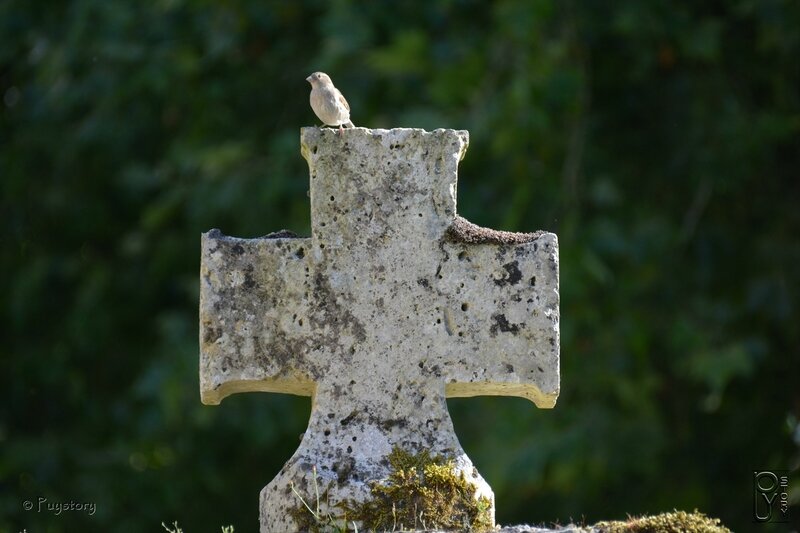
(308, 79)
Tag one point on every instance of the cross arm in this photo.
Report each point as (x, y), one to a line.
(252, 335)
(502, 311)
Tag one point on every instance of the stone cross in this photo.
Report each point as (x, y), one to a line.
(392, 305)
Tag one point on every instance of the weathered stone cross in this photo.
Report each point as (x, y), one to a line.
(393, 304)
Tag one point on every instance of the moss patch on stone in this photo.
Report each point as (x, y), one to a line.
(674, 522)
(420, 492)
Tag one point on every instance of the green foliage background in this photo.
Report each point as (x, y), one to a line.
(659, 139)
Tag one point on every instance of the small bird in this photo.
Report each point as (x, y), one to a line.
(328, 102)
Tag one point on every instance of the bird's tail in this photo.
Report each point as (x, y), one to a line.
(349, 124)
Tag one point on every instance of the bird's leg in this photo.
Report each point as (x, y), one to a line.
(341, 129)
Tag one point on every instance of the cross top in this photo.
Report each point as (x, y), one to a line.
(392, 304)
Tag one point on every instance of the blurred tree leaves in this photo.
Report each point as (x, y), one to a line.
(658, 139)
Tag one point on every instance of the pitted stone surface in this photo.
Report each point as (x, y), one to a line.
(379, 315)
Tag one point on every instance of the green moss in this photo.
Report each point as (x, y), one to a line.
(420, 492)
(675, 522)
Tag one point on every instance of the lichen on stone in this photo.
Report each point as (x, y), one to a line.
(282, 234)
(309, 515)
(462, 230)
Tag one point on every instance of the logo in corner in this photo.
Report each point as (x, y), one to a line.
(771, 496)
